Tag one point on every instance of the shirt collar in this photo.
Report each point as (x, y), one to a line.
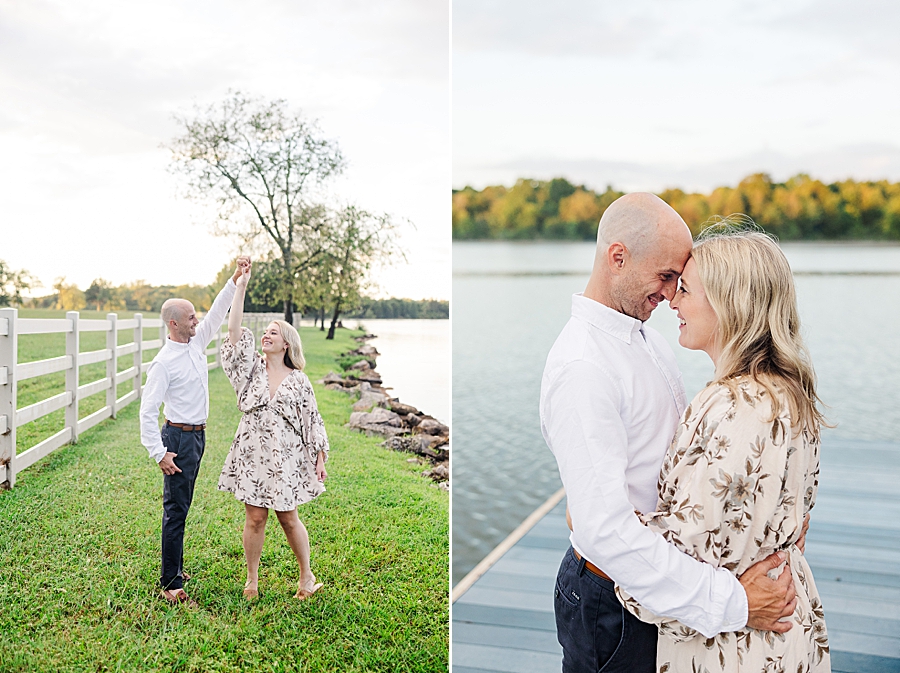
(177, 346)
(604, 318)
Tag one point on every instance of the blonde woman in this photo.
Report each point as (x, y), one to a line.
(742, 471)
(277, 459)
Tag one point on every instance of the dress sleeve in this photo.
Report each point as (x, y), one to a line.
(240, 360)
(314, 434)
(732, 487)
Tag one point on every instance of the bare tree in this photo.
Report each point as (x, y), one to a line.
(360, 240)
(261, 163)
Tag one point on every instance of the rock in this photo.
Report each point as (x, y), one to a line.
(369, 375)
(362, 364)
(369, 399)
(335, 386)
(422, 445)
(402, 409)
(376, 416)
(331, 378)
(367, 350)
(444, 486)
(412, 420)
(379, 422)
(439, 472)
(432, 426)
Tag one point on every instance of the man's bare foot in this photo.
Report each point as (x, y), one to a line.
(176, 596)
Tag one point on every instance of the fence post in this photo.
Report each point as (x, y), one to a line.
(9, 352)
(139, 353)
(112, 342)
(73, 341)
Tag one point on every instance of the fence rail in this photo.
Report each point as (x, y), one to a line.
(72, 326)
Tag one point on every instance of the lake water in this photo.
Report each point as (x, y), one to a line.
(414, 361)
(510, 300)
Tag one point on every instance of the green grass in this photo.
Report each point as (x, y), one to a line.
(80, 547)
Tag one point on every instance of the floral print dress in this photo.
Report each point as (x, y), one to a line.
(272, 461)
(735, 487)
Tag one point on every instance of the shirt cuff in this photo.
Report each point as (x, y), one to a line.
(737, 610)
(158, 453)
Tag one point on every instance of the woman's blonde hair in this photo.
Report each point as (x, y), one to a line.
(293, 354)
(749, 284)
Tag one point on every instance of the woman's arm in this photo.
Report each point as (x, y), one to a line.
(237, 304)
(321, 472)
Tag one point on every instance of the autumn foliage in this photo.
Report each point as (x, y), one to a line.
(801, 208)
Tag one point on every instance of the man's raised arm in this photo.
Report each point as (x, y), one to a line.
(214, 318)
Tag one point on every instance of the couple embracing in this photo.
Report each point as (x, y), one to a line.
(687, 553)
(277, 459)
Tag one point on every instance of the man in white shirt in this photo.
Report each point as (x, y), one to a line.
(611, 398)
(178, 378)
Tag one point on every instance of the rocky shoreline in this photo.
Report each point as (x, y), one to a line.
(375, 412)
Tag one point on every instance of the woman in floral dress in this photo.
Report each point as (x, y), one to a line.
(277, 459)
(742, 471)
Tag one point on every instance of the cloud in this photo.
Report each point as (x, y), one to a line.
(579, 27)
(869, 27)
(859, 162)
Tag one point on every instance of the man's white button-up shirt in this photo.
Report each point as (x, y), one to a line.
(611, 399)
(179, 378)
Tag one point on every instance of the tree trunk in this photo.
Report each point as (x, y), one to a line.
(334, 318)
(322, 318)
(288, 287)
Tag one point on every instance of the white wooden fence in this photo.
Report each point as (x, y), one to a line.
(12, 372)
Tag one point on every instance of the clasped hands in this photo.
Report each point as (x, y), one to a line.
(242, 272)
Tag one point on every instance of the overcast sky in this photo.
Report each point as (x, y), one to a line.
(697, 93)
(87, 94)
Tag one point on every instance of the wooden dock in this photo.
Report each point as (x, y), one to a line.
(503, 611)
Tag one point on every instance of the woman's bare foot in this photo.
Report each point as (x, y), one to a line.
(251, 590)
(307, 587)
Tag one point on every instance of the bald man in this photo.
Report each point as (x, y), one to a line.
(611, 398)
(178, 378)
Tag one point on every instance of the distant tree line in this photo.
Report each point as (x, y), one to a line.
(313, 294)
(263, 296)
(801, 208)
(139, 296)
(402, 308)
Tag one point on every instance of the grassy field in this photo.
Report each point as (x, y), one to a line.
(79, 543)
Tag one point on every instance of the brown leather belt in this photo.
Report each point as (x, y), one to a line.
(185, 427)
(591, 567)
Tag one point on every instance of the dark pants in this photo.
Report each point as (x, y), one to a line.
(595, 631)
(178, 491)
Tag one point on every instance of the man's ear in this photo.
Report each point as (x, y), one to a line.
(616, 256)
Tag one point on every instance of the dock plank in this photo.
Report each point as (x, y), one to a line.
(505, 622)
(505, 659)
